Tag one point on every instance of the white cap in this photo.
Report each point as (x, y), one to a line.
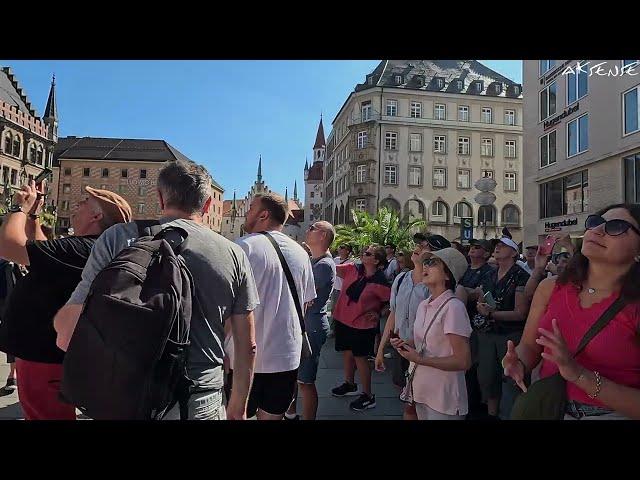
(510, 243)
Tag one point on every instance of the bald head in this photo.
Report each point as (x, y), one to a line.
(320, 235)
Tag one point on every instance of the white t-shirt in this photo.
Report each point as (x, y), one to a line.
(337, 283)
(278, 334)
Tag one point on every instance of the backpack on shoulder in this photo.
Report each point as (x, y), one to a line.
(127, 357)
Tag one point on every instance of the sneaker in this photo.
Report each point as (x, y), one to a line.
(346, 389)
(292, 417)
(388, 355)
(11, 385)
(363, 402)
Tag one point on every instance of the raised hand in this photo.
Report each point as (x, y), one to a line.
(513, 367)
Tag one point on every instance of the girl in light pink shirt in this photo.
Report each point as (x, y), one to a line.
(441, 337)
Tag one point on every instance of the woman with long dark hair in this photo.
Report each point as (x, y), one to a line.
(603, 380)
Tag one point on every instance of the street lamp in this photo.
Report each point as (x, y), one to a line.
(485, 198)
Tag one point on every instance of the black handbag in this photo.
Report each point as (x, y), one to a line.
(306, 344)
(546, 399)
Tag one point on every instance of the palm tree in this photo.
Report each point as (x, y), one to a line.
(382, 228)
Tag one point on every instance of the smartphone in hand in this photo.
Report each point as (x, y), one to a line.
(489, 300)
(547, 246)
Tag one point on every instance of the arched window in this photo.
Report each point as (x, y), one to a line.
(391, 204)
(336, 216)
(510, 215)
(414, 209)
(439, 212)
(40, 155)
(32, 153)
(462, 210)
(17, 144)
(342, 217)
(8, 141)
(487, 215)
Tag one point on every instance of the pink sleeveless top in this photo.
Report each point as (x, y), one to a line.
(614, 352)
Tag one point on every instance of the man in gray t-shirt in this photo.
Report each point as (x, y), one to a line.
(224, 286)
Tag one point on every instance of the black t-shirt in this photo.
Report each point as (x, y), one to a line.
(55, 267)
(471, 279)
(504, 291)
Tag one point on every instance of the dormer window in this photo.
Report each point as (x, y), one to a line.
(420, 80)
(479, 87)
(498, 87)
(516, 89)
(440, 83)
(370, 80)
(398, 79)
(459, 84)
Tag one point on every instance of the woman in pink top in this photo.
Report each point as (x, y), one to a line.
(603, 381)
(441, 336)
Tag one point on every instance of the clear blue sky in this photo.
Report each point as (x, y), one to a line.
(222, 114)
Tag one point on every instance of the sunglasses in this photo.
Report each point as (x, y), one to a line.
(367, 254)
(431, 262)
(612, 228)
(313, 228)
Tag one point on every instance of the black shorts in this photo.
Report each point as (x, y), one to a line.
(361, 342)
(272, 392)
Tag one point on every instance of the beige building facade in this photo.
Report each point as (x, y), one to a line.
(417, 135)
(582, 142)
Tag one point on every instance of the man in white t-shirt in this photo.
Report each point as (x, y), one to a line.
(278, 332)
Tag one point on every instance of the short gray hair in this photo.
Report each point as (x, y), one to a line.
(184, 186)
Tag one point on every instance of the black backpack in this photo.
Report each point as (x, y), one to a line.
(127, 357)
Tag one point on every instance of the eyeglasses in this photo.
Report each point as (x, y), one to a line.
(612, 228)
(367, 254)
(430, 262)
(312, 228)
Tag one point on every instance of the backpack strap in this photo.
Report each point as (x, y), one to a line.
(602, 322)
(287, 273)
(400, 282)
(146, 227)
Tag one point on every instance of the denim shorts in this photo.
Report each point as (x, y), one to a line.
(308, 370)
(202, 406)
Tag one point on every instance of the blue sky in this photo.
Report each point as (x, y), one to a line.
(222, 114)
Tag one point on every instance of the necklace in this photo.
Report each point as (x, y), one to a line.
(591, 290)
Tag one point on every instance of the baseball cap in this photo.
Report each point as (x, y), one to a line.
(112, 204)
(436, 242)
(510, 243)
(484, 244)
(453, 259)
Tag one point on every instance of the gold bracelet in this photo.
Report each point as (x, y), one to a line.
(598, 385)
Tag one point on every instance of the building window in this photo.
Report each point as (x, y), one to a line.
(141, 208)
(365, 111)
(66, 188)
(463, 113)
(141, 191)
(67, 172)
(105, 173)
(361, 204)
(40, 156)
(632, 178)
(415, 142)
(362, 139)
(487, 173)
(415, 176)
(578, 136)
(391, 141)
(546, 65)
(440, 177)
(17, 146)
(510, 215)
(5, 174)
(464, 146)
(510, 184)
(439, 211)
(361, 173)
(464, 178)
(487, 115)
(479, 87)
(548, 149)
(14, 177)
(577, 86)
(486, 147)
(564, 196)
(631, 112)
(459, 84)
(312, 194)
(7, 143)
(509, 117)
(86, 172)
(486, 215)
(440, 111)
(392, 108)
(65, 205)
(124, 173)
(416, 110)
(510, 148)
(32, 153)
(440, 144)
(548, 101)
(461, 210)
(122, 189)
(143, 173)
(391, 174)
(399, 80)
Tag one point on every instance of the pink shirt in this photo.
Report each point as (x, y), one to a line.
(614, 352)
(444, 392)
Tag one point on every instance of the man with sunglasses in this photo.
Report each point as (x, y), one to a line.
(479, 253)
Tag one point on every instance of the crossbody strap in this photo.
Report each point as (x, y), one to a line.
(424, 338)
(402, 277)
(602, 322)
(287, 273)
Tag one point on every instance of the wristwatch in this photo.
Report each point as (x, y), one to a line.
(33, 216)
(15, 209)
